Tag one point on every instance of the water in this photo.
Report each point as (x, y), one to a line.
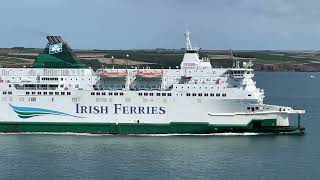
(230, 156)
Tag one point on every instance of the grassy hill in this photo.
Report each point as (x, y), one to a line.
(162, 58)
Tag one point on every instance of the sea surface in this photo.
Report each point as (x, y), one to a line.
(222, 156)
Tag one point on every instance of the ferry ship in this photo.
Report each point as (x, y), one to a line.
(59, 94)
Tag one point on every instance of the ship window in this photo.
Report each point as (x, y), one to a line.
(61, 85)
(145, 94)
(9, 92)
(98, 94)
(224, 95)
(68, 93)
(63, 93)
(199, 94)
(56, 93)
(169, 94)
(39, 93)
(257, 108)
(140, 94)
(218, 94)
(249, 94)
(252, 108)
(9, 85)
(211, 94)
(151, 94)
(158, 94)
(188, 94)
(4, 92)
(116, 94)
(33, 92)
(110, 93)
(163, 94)
(50, 93)
(205, 94)
(92, 93)
(61, 79)
(121, 94)
(103, 94)
(194, 94)
(45, 93)
(248, 108)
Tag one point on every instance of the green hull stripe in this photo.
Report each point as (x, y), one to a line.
(136, 128)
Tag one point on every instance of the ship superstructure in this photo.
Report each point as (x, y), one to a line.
(59, 94)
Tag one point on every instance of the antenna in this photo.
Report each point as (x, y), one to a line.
(188, 41)
(232, 58)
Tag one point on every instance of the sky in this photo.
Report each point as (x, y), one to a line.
(147, 24)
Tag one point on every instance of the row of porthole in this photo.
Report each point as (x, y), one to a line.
(48, 93)
(5, 92)
(154, 94)
(110, 93)
(207, 94)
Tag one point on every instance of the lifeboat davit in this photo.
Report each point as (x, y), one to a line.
(149, 74)
(114, 74)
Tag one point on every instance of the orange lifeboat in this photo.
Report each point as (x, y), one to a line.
(114, 73)
(149, 74)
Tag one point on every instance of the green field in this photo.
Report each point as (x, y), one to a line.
(162, 58)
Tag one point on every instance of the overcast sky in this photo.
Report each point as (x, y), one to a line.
(141, 24)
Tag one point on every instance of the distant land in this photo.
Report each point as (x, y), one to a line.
(264, 60)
